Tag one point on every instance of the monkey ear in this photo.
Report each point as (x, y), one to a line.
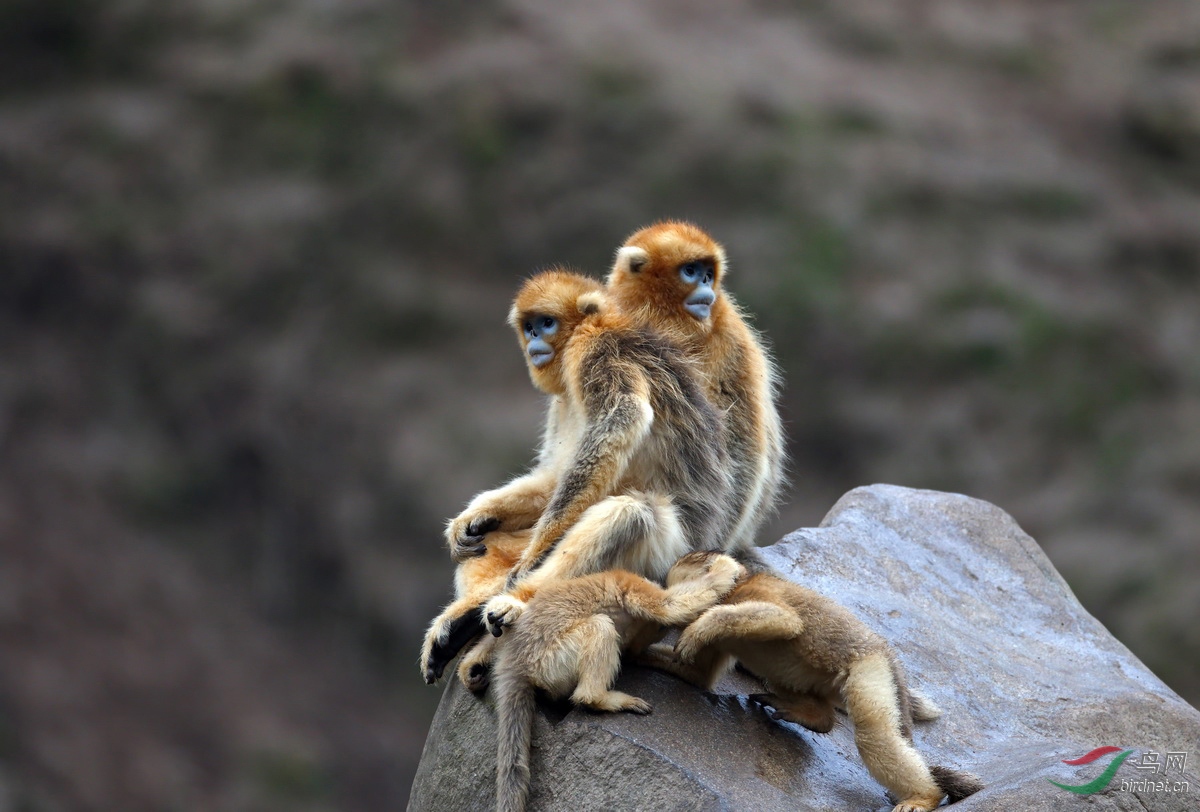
(631, 258)
(590, 302)
(514, 317)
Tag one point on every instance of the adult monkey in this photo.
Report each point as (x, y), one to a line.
(669, 276)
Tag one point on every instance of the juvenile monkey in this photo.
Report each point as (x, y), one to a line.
(669, 276)
(569, 644)
(639, 428)
(481, 577)
(812, 654)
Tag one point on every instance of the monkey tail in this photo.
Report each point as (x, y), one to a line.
(955, 783)
(514, 707)
(924, 709)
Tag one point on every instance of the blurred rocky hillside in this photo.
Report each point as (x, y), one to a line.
(255, 259)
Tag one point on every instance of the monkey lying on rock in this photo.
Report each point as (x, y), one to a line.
(569, 644)
(812, 654)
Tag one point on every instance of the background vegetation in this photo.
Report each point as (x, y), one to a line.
(255, 259)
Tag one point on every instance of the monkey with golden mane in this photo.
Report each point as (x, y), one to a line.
(812, 654)
(670, 276)
(569, 644)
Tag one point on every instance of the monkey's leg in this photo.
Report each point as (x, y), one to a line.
(636, 531)
(607, 534)
(474, 669)
(806, 709)
(871, 701)
(683, 603)
(599, 661)
(709, 665)
(752, 620)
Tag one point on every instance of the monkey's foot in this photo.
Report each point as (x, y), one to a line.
(465, 535)
(502, 611)
(917, 805)
(615, 702)
(725, 572)
(475, 677)
(808, 711)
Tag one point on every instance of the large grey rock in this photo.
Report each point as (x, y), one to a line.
(982, 621)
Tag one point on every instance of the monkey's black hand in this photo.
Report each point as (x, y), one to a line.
(462, 630)
(470, 542)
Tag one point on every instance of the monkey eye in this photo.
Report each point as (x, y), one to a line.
(708, 277)
(547, 323)
(689, 271)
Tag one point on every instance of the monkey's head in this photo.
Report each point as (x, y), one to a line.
(669, 274)
(702, 562)
(545, 313)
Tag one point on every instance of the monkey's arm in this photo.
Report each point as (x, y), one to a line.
(684, 602)
(621, 423)
(753, 620)
(515, 506)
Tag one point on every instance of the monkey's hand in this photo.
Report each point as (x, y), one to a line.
(502, 611)
(447, 635)
(465, 534)
(689, 644)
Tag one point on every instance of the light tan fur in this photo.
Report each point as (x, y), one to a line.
(813, 654)
(740, 378)
(569, 644)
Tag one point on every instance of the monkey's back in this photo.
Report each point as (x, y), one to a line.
(743, 383)
(829, 636)
(685, 455)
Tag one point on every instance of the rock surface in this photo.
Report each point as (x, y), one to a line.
(983, 623)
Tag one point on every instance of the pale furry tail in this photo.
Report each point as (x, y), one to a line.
(923, 708)
(956, 784)
(514, 710)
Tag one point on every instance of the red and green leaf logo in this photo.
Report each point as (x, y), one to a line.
(1103, 779)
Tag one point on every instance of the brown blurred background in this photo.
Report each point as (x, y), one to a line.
(255, 259)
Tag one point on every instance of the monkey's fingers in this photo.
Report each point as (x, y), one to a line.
(462, 552)
(481, 526)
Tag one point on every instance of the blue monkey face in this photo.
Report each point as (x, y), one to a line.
(699, 275)
(537, 329)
